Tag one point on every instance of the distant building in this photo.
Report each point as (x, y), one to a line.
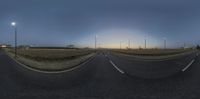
(4, 46)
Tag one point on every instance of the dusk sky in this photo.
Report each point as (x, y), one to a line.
(64, 22)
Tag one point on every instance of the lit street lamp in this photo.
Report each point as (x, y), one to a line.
(13, 24)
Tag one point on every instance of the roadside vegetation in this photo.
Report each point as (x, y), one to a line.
(152, 52)
(51, 59)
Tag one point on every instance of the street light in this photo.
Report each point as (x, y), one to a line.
(13, 24)
(145, 41)
(129, 44)
(165, 43)
(120, 45)
(95, 42)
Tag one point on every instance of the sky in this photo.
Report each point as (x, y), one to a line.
(65, 22)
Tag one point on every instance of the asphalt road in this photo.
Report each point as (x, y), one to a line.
(106, 76)
(152, 68)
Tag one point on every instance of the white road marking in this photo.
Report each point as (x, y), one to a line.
(116, 67)
(188, 65)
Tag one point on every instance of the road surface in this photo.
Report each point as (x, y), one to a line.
(101, 78)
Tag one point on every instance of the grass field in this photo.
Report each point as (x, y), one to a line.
(153, 52)
(51, 54)
(52, 59)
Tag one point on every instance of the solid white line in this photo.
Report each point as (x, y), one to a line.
(188, 65)
(116, 67)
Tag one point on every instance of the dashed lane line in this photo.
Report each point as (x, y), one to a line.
(184, 69)
(121, 71)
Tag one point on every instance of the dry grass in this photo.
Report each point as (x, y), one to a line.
(51, 54)
(153, 52)
(52, 59)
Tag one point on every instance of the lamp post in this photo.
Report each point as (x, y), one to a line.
(145, 43)
(95, 46)
(13, 24)
(129, 44)
(165, 43)
(120, 45)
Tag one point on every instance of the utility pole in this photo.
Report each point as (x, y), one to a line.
(145, 43)
(129, 44)
(165, 43)
(15, 41)
(120, 45)
(95, 46)
(184, 45)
